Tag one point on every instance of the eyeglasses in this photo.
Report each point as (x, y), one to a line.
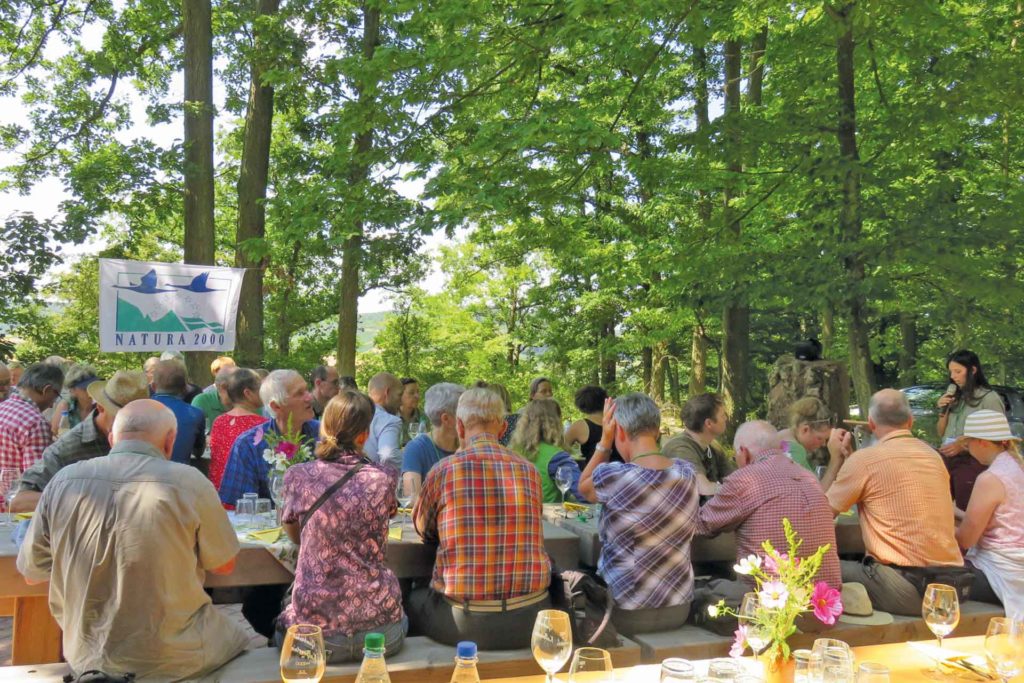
(831, 421)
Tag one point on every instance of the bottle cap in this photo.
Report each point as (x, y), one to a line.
(374, 641)
(466, 649)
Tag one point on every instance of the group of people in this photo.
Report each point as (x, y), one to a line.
(479, 475)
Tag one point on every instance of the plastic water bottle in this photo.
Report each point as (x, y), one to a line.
(465, 664)
(373, 668)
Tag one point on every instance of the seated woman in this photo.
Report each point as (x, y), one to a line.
(538, 438)
(342, 583)
(648, 521)
(993, 527)
(589, 400)
(810, 427)
(243, 388)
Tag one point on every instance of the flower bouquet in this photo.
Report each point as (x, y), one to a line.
(784, 591)
(284, 449)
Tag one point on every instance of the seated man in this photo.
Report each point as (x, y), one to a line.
(124, 541)
(705, 420)
(421, 454)
(169, 385)
(285, 394)
(767, 487)
(482, 506)
(901, 489)
(88, 439)
(24, 431)
(648, 520)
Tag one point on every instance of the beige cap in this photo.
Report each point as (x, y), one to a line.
(120, 390)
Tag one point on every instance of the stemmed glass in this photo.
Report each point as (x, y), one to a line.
(302, 654)
(404, 493)
(940, 609)
(1004, 647)
(552, 641)
(757, 633)
(563, 480)
(276, 488)
(589, 660)
(9, 487)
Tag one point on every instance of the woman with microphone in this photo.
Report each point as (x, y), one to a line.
(968, 393)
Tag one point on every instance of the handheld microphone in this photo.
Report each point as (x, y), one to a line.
(950, 391)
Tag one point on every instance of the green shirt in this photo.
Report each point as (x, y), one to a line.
(209, 403)
(798, 454)
(712, 462)
(988, 400)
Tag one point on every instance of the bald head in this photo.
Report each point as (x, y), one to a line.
(146, 420)
(889, 410)
(386, 391)
(753, 438)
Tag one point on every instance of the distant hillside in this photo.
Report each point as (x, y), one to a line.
(370, 324)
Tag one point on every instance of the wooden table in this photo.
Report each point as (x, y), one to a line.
(721, 548)
(906, 665)
(37, 638)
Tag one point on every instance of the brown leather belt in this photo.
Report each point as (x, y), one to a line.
(498, 605)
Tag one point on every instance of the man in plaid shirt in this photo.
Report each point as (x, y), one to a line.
(24, 432)
(482, 506)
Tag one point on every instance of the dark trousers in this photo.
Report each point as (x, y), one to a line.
(630, 622)
(433, 616)
(260, 607)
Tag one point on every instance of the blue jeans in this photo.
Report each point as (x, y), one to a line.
(340, 648)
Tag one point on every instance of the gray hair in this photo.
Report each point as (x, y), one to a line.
(890, 408)
(151, 421)
(480, 406)
(76, 373)
(223, 376)
(275, 386)
(441, 398)
(757, 436)
(38, 376)
(637, 414)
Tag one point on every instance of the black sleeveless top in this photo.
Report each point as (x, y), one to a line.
(594, 438)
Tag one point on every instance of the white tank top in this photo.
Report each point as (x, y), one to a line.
(1006, 528)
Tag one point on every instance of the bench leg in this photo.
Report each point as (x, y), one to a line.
(36, 638)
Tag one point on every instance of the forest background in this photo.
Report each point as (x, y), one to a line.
(655, 196)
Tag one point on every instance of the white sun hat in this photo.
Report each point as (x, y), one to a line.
(989, 425)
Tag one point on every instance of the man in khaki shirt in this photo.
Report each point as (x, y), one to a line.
(124, 541)
(901, 488)
(705, 420)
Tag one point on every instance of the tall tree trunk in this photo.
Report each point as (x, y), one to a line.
(673, 383)
(198, 171)
(284, 325)
(698, 362)
(908, 352)
(828, 329)
(850, 220)
(252, 195)
(736, 317)
(647, 367)
(352, 248)
(608, 356)
(661, 363)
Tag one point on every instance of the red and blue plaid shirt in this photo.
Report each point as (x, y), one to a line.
(483, 508)
(24, 433)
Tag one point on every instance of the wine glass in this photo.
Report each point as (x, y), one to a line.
(9, 487)
(757, 633)
(675, 670)
(941, 609)
(302, 654)
(552, 641)
(587, 660)
(277, 488)
(1004, 647)
(563, 480)
(404, 493)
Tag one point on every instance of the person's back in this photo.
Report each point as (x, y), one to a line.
(901, 489)
(129, 536)
(1006, 526)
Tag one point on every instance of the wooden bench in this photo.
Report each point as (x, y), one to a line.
(421, 661)
(692, 642)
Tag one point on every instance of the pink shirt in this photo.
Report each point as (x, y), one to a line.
(1006, 527)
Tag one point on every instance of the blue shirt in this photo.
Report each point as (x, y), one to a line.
(246, 470)
(421, 454)
(191, 438)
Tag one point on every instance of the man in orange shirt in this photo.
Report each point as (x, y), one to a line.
(901, 488)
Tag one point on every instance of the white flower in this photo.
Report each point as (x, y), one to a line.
(747, 565)
(270, 456)
(713, 611)
(773, 595)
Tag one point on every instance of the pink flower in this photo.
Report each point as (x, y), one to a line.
(288, 449)
(771, 565)
(773, 595)
(257, 438)
(740, 642)
(827, 603)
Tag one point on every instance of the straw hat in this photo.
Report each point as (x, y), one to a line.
(857, 607)
(989, 425)
(120, 390)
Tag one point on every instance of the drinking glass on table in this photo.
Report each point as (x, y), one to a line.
(9, 487)
(405, 493)
(757, 634)
(837, 648)
(276, 486)
(563, 480)
(302, 654)
(872, 672)
(245, 508)
(803, 667)
(588, 660)
(723, 670)
(1004, 647)
(940, 609)
(552, 641)
(675, 670)
(837, 665)
(263, 512)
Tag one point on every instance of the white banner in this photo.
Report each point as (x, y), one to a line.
(167, 306)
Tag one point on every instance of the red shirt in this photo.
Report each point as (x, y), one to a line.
(223, 433)
(24, 433)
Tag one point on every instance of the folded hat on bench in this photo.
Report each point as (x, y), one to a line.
(857, 607)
